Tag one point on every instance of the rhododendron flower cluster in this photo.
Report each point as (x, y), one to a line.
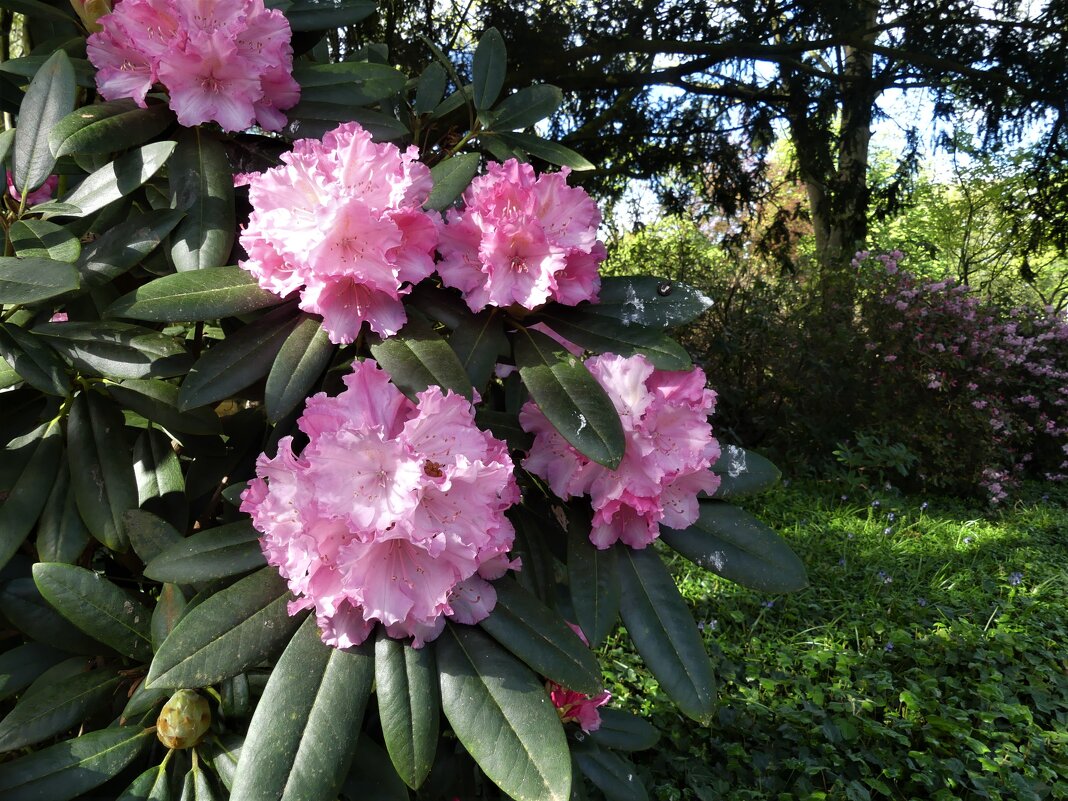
(393, 512)
(227, 61)
(669, 449)
(522, 239)
(342, 221)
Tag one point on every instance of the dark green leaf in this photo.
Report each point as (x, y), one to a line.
(117, 350)
(430, 88)
(664, 633)
(37, 10)
(478, 342)
(526, 107)
(124, 246)
(196, 786)
(743, 472)
(119, 178)
(101, 467)
(648, 301)
(530, 545)
(571, 399)
(216, 553)
(149, 534)
(160, 483)
(66, 770)
(33, 280)
(316, 119)
(299, 364)
(30, 613)
(454, 101)
(57, 707)
(416, 358)
(158, 401)
(223, 754)
(614, 775)
(96, 606)
(202, 294)
(24, 663)
(33, 360)
(8, 376)
(732, 543)
(237, 361)
(623, 731)
(488, 69)
(143, 701)
(302, 736)
(202, 185)
(108, 127)
(226, 634)
(601, 334)
(169, 610)
(408, 704)
(372, 777)
(354, 83)
(503, 716)
(27, 498)
(451, 177)
(504, 426)
(28, 66)
(541, 639)
(325, 15)
(552, 152)
(61, 534)
(152, 785)
(593, 578)
(49, 98)
(39, 239)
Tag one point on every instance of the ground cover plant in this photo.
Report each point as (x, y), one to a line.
(925, 661)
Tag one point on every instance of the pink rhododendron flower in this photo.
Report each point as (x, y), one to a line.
(224, 61)
(341, 220)
(578, 707)
(41, 194)
(522, 239)
(668, 453)
(393, 512)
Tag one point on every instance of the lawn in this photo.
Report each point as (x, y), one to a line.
(928, 658)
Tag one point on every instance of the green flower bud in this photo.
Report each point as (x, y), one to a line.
(184, 720)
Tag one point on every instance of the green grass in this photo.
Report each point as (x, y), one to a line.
(928, 659)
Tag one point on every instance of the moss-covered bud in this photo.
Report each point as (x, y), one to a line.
(184, 720)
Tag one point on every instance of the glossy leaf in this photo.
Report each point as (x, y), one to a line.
(61, 533)
(29, 66)
(125, 246)
(743, 472)
(33, 360)
(37, 10)
(372, 777)
(504, 426)
(26, 609)
(571, 399)
(479, 341)
(302, 736)
(97, 607)
(325, 15)
(526, 107)
(157, 401)
(202, 185)
(202, 294)
(451, 177)
(108, 127)
(26, 500)
(20, 665)
(159, 478)
(622, 731)
(503, 716)
(224, 635)
(732, 543)
(212, 554)
(355, 83)
(196, 786)
(152, 785)
(541, 639)
(647, 301)
(49, 98)
(57, 707)
(40, 239)
(32, 280)
(593, 579)
(430, 88)
(299, 364)
(237, 361)
(170, 607)
(488, 68)
(408, 704)
(119, 178)
(117, 350)
(664, 633)
(614, 775)
(67, 769)
(547, 150)
(101, 467)
(149, 534)
(416, 358)
(603, 335)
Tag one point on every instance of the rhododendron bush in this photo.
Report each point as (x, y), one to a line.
(331, 460)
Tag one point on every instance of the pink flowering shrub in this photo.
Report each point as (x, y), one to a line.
(393, 512)
(977, 390)
(224, 61)
(522, 239)
(341, 221)
(669, 448)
